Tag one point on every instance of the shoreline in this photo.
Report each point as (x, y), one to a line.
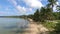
(34, 28)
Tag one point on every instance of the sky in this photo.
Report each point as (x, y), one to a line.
(20, 7)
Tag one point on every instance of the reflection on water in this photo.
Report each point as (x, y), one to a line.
(12, 25)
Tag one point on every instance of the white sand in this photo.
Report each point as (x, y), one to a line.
(34, 28)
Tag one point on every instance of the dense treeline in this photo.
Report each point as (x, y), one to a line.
(47, 13)
(57, 15)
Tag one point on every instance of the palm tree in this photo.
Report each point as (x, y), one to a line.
(46, 14)
(51, 3)
(43, 14)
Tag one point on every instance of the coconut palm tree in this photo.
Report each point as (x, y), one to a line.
(46, 14)
(51, 3)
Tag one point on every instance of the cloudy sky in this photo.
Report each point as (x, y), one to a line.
(20, 7)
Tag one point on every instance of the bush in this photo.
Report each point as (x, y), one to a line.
(50, 25)
(57, 28)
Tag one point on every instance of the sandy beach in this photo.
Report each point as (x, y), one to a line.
(34, 28)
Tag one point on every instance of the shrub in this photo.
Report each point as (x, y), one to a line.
(50, 25)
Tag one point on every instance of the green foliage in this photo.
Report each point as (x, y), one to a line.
(57, 15)
(58, 8)
(49, 25)
(57, 28)
(43, 14)
(36, 15)
(46, 14)
(50, 15)
(30, 16)
(51, 3)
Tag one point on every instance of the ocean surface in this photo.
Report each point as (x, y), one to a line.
(12, 25)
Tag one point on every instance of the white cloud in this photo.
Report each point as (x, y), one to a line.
(13, 2)
(33, 3)
(18, 7)
(30, 3)
(21, 9)
(54, 8)
(57, 3)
